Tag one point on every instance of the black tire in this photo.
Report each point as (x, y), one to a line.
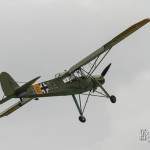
(113, 99)
(82, 119)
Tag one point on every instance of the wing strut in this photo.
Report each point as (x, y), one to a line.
(94, 67)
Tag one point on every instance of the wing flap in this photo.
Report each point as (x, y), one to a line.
(108, 45)
(14, 107)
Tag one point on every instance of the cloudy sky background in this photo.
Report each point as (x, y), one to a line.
(44, 37)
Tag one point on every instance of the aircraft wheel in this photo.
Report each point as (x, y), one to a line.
(113, 99)
(82, 119)
(20, 104)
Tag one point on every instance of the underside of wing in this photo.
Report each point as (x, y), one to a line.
(108, 45)
(14, 107)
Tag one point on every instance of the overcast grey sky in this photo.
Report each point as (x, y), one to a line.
(44, 37)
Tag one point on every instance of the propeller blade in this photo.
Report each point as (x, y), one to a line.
(105, 70)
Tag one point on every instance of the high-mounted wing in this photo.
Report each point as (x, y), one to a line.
(14, 107)
(108, 45)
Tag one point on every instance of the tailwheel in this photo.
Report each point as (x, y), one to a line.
(113, 99)
(82, 119)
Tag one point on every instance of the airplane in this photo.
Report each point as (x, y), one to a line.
(76, 81)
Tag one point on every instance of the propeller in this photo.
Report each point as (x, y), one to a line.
(105, 70)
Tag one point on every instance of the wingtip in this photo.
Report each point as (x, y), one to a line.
(146, 20)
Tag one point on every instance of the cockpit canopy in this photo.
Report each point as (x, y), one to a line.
(58, 75)
(70, 78)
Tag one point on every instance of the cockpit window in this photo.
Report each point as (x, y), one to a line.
(66, 79)
(69, 78)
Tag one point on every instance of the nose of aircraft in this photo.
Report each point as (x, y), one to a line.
(100, 79)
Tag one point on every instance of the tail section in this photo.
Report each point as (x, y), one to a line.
(8, 84)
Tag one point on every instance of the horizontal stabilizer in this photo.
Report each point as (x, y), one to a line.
(24, 87)
(5, 99)
(14, 107)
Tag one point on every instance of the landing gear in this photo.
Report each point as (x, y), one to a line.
(113, 99)
(79, 107)
(106, 94)
(82, 119)
(21, 99)
(82, 109)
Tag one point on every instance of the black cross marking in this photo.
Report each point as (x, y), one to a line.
(44, 88)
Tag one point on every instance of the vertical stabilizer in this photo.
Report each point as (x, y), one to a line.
(8, 84)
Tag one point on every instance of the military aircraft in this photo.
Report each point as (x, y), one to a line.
(76, 81)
